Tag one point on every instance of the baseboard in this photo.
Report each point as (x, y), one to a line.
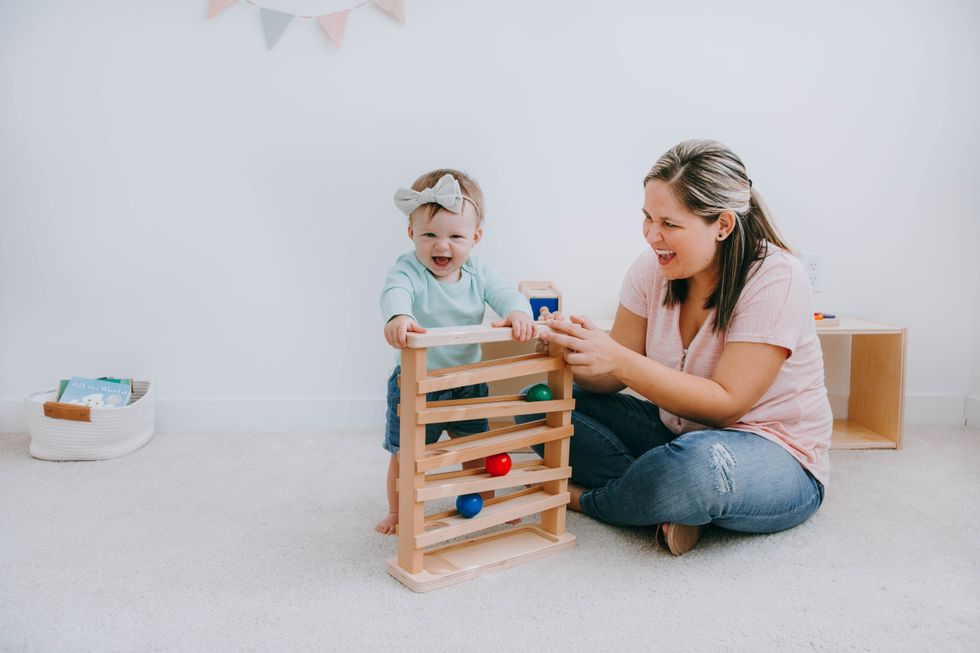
(973, 412)
(363, 414)
(12, 418)
(946, 411)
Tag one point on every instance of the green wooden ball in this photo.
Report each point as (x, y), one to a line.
(539, 392)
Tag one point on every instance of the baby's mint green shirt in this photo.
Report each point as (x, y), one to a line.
(410, 289)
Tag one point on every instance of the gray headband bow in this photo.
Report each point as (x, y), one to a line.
(445, 193)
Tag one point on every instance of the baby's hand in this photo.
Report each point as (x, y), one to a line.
(397, 329)
(520, 322)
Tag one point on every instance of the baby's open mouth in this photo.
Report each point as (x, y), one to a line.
(441, 261)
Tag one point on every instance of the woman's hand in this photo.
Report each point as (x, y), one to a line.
(590, 351)
(397, 329)
(521, 324)
(544, 318)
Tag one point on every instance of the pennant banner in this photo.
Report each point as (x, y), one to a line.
(275, 22)
(394, 8)
(334, 25)
(215, 7)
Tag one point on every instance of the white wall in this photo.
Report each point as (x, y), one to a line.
(179, 204)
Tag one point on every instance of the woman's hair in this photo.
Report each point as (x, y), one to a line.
(708, 178)
(467, 185)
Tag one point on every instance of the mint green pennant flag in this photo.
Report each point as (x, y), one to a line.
(274, 23)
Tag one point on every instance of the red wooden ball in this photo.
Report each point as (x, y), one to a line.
(497, 464)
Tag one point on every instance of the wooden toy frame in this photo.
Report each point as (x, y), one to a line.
(423, 569)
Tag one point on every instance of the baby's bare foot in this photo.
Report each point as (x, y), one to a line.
(387, 525)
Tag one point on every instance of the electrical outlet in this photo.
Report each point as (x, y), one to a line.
(813, 265)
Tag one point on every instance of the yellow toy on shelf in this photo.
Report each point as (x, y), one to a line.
(544, 482)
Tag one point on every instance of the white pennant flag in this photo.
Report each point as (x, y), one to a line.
(274, 23)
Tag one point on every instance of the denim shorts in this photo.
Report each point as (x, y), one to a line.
(432, 431)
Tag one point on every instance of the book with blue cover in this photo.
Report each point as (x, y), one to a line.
(63, 383)
(96, 393)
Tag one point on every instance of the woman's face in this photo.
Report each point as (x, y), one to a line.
(686, 246)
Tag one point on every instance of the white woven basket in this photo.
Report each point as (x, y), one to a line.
(112, 432)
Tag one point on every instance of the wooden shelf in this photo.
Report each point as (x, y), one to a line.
(468, 481)
(876, 401)
(460, 561)
(853, 325)
(851, 435)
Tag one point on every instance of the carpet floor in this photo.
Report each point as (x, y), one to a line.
(248, 541)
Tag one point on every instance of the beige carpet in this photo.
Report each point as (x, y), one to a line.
(263, 542)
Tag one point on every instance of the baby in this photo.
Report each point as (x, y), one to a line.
(439, 284)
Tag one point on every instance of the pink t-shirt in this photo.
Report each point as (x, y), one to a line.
(775, 308)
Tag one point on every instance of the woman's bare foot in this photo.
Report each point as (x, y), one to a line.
(387, 525)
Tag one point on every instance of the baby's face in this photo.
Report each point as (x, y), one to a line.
(443, 243)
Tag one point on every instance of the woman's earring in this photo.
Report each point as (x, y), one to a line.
(721, 236)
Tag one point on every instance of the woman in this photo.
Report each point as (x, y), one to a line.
(715, 330)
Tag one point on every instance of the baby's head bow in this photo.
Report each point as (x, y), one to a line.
(445, 193)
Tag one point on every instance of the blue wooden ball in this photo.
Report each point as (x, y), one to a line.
(469, 505)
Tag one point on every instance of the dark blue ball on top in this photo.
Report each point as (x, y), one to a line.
(469, 505)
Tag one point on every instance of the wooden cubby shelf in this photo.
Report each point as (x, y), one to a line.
(876, 401)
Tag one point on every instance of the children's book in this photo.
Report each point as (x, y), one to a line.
(64, 383)
(96, 393)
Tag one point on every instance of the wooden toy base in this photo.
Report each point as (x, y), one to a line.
(459, 561)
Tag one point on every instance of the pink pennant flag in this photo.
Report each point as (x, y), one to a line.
(334, 25)
(215, 7)
(394, 8)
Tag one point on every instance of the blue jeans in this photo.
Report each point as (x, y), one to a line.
(432, 431)
(642, 474)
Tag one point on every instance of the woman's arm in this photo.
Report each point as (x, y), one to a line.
(742, 376)
(743, 373)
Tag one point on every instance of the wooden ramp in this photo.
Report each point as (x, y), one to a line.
(424, 561)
